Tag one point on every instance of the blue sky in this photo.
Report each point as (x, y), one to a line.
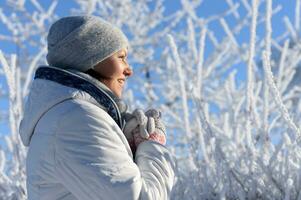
(208, 8)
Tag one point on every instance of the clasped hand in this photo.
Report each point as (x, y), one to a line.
(142, 126)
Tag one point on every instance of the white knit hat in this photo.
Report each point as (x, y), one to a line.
(80, 42)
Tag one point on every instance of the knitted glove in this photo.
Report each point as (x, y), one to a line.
(135, 122)
(144, 126)
(157, 131)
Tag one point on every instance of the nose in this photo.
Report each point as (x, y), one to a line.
(128, 71)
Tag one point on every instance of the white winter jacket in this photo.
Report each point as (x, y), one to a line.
(77, 151)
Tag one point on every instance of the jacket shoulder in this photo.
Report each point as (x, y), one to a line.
(79, 110)
(84, 120)
(74, 109)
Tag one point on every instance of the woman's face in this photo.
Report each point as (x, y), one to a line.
(114, 71)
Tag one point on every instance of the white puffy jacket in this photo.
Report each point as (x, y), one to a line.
(77, 151)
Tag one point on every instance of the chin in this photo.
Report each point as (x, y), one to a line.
(118, 94)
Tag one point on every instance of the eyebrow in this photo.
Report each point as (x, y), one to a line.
(125, 53)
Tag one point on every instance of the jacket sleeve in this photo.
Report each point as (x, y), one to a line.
(92, 159)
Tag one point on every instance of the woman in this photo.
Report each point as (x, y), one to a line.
(73, 121)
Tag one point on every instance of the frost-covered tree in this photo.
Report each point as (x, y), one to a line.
(233, 137)
(244, 137)
(24, 31)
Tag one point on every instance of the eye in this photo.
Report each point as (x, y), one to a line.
(123, 57)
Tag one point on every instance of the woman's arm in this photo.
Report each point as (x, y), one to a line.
(93, 162)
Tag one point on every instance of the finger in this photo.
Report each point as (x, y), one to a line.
(153, 113)
(160, 126)
(151, 126)
(143, 131)
(130, 126)
(140, 116)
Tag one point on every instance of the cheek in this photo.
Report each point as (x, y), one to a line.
(107, 68)
(115, 70)
(118, 69)
(112, 83)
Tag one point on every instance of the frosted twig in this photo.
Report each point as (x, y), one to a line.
(201, 61)
(270, 176)
(216, 17)
(9, 24)
(290, 28)
(2, 161)
(7, 38)
(202, 142)
(288, 187)
(297, 15)
(229, 32)
(281, 63)
(260, 20)
(265, 83)
(50, 11)
(189, 9)
(19, 97)
(182, 83)
(209, 129)
(246, 5)
(212, 38)
(273, 123)
(238, 108)
(222, 54)
(277, 97)
(38, 6)
(31, 69)
(231, 5)
(268, 28)
(249, 91)
(8, 74)
(191, 39)
(13, 96)
(256, 118)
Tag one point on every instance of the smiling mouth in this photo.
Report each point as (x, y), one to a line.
(121, 80)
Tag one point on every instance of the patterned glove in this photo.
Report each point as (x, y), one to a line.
(157, 131)
(135, 122)
(142, 126)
